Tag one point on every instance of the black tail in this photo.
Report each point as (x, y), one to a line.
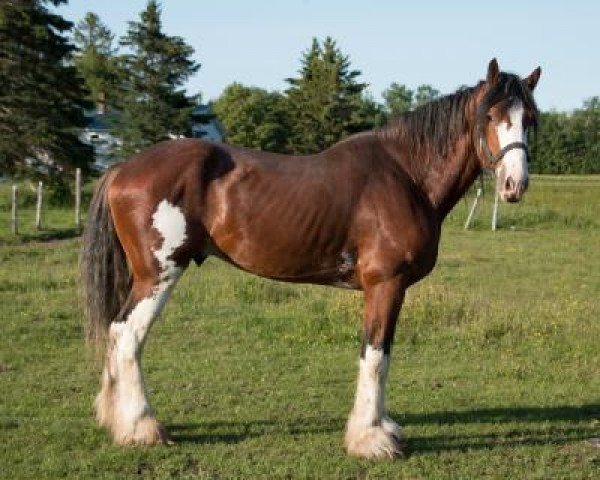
(104, 271)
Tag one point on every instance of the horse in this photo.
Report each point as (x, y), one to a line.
(364, 214)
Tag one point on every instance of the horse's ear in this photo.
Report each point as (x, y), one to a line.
(493, 72)
(533, 78)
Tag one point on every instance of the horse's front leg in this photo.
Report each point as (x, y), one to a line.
(369, 432)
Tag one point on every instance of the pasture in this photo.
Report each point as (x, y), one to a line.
(494, 371)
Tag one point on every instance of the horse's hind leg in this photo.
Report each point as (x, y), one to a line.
(122, 405)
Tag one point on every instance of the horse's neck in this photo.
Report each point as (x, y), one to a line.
(448, 180)
(443, 181)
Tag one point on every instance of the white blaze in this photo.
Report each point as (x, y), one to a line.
(514, 162)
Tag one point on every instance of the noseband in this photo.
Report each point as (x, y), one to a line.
(492, 158)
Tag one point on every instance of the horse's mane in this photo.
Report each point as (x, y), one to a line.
(435, 127)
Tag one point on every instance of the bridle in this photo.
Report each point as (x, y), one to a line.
(493, 159)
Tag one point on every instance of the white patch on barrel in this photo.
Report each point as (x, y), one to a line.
(515, 160)
(169, 221)
(132, 404)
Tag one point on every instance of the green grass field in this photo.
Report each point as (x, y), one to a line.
(495, 372)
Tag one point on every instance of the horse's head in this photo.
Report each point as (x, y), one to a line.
(506, 110)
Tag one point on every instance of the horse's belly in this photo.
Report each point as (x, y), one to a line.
(289, 262)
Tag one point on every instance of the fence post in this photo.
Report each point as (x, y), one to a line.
(78, 198)
(495, 212)
(473, 208)
(38, 206)
(14, 220)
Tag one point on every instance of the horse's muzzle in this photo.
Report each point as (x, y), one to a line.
(512, 191)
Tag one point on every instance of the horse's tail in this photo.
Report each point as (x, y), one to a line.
(104, 273)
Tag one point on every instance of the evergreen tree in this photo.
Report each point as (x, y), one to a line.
(96, 59)
(253, 117)
(325, 100)
(42, 97)
(157, 65)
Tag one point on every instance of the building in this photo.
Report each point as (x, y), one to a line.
(205, 124)
(98, 133)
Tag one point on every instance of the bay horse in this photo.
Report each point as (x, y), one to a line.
(364, 214)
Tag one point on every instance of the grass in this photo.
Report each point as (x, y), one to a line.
(494, 372)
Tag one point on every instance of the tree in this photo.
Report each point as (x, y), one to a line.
(549, 150)
(369, 113)
(568, 142)
(157, 66)
(42, 99)
(398, 99)
(325, 100)
(425, 93)
(253, 117)
(586, 137)
(96, 59)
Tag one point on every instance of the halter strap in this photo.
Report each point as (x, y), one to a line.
(494, 159)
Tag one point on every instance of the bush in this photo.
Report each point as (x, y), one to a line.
(60, 192)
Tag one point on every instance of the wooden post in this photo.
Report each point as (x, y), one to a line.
(14, 219)
(38, 206)
(473, 208)
(495, 211)
(78, 198)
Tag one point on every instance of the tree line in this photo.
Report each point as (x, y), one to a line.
(52, 72)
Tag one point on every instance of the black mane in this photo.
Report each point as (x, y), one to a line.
(435, 125)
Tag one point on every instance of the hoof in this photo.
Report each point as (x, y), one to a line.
(146, 431)
(376, 442)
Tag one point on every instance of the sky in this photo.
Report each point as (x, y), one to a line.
(443, 43)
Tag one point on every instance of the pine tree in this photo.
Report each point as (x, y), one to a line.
(326, 100)
(42, 97)
(96, 60)
(157, 66)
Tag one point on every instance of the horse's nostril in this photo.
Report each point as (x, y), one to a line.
(509, 184)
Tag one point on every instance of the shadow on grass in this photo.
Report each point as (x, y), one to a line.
(234, 432)
(546, 434)
(503, 415)
(517, 437)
